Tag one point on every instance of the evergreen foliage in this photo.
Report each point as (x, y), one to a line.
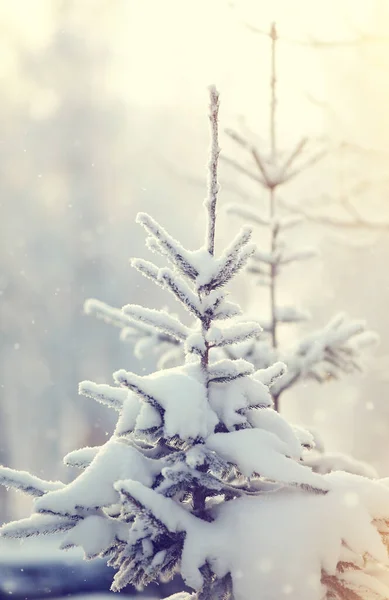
(201, 475)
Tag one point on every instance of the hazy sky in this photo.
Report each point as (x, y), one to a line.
(167, 51)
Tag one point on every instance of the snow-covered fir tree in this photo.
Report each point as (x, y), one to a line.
(321, 355)
(202, 476)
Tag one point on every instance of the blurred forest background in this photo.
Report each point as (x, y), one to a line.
(103, 113)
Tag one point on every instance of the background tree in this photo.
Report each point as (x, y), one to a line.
(321, 355)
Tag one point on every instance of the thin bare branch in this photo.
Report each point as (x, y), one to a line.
(296, 152)
(358, 41)
(273, 96)
(261, 167)
(350, 208)
(233, 163)
(313, 160)
(322, 44)
(334, 222)
(238, 138)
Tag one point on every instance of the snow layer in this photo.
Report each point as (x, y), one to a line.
(282, 542)
(327, 462)
(93, 488)
(260, 451)
(94, 534)
(181, 394)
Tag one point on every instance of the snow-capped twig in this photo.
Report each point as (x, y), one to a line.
(104, 394)
(181, 291)
(213, 184)
(29, 484)
(168, 245)
(160, 320)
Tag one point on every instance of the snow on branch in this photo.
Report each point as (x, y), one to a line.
(101, 310)
(93, 488)
(337, 344)
(141, 334)
(326, 353)
(182, 292)
(231, 252)
(226, 310)
(213, 185)
(270, 375)
(96, 534)
(146, 339)
(327, 462)
(26, 483)
(158, 319)
(234, 334)
(165, 510)
(169, 246)
(195, 344)
(108, 395)
(81, 458)
(226, 370)
(233, 267)
(260, 451)
(232, 260)
(135, 384)
(179, 395)
(36, 525)
(146, 268)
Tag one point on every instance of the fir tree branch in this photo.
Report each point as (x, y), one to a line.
(81, 458)
(158, 319)
(27, 483)
(147, 268)
(181, 291)
(36, 525)
(234, 334)
(109, 314)
(105, 394)
(169, 246)
(227, 370)
(134, 383)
